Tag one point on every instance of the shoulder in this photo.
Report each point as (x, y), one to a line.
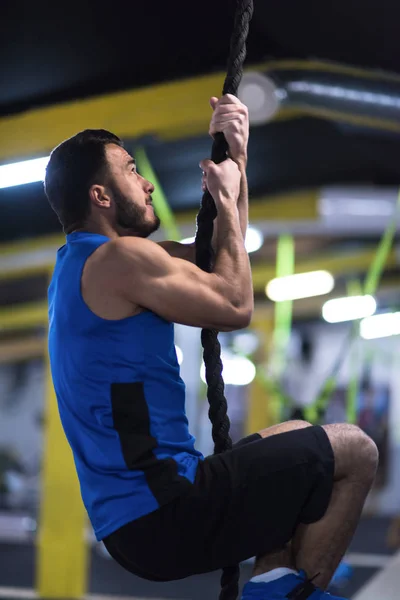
(128, 256)
(134, 249)
(105, 275)
(130, 249)
(119, 263)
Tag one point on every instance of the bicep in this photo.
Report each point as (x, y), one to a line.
(179, 291)
(187, 299)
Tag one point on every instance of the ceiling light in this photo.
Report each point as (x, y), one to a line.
(351, 308)
(254, 239)
(27, 171)
(301, 285)
(379, 326)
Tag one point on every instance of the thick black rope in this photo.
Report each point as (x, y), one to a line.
(205, 260)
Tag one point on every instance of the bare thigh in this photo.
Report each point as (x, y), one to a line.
(283, 427)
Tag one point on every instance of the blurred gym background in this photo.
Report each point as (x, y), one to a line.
(322, 84)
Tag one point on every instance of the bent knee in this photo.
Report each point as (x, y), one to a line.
(354, 450)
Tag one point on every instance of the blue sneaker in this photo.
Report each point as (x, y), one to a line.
(289, 587)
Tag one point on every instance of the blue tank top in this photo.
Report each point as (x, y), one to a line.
(121, 399)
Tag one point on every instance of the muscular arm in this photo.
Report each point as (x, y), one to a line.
(146, 275)
(242, 205)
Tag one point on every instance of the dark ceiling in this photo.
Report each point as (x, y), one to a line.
(58, 51)
(52, 51)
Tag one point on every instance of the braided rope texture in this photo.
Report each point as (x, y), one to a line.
(218, 411)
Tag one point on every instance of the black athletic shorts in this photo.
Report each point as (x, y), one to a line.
(243, 503)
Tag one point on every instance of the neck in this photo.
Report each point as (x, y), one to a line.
(99, 228)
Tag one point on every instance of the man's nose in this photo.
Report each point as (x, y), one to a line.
(149, 187)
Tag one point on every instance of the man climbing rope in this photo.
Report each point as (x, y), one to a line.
(291, 495)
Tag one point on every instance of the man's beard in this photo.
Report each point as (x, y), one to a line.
(133, 218)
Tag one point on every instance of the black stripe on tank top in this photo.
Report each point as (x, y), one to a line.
(132, 422)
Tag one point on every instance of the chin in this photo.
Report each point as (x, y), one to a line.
(153, 226)
(148, 229)
(142, 229)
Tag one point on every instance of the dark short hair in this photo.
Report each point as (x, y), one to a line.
(74, 166)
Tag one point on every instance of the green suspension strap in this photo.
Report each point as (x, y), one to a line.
(285, 261)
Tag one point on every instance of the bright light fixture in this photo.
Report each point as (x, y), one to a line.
(301, 285)
(254, 239)
(379, 326)
(237, 370)
(27, 171)
(351, 308)
(179, 354)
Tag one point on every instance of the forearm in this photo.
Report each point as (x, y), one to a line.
(232, 262)
(242, 205)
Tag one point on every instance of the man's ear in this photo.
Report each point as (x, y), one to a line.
(99, 196)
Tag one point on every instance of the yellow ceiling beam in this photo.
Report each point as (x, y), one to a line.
(170, 110)
(296, 206)
(31, 244)
(328, 67)
(24, 316)
(181, 106)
